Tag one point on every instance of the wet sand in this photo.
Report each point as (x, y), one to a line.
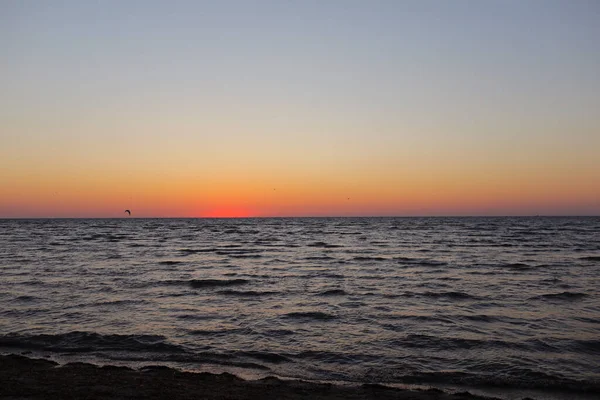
(26, 378)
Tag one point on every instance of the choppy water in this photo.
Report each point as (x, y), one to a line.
(487, 302)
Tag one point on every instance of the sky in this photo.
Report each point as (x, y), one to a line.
(299, 108)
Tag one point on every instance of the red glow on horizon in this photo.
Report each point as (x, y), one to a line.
(228, 212)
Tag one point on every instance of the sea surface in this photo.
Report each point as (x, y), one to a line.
(510, 305)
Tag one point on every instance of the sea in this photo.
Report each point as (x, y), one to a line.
(504, 306)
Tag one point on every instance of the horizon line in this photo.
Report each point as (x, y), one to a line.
(332, 216)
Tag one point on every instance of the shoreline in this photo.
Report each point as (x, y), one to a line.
(31, 378)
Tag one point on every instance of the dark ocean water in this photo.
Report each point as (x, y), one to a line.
(508, 303)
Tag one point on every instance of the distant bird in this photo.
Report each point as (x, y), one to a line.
(128, 212)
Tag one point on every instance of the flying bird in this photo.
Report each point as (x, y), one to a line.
(128, 212)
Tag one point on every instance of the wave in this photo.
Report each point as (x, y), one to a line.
(324, 245)
(205, 357)
(440, 343)
(221, 332)
(449, 343)
(106, 237)
(450, 295)
(517, 266)
(279, 332)
(246, 232)
(26, 298)
(583, 346)
(420, 318)
(199, 317)
(169, 262)
(222, 250)
(228, 252)
(590, 258)
(206, 283)
(247, 293)
(119, 302)
(79, 342)
(187, 252)
(420, 261)
(560, 296)
(323, 275)
(310, 315)
(435, 295)
(588, 320)
(364, 258)
(508, 377)
(265, 356)
(333, 292)
(481, 318)
(244, 255)
(334, 357)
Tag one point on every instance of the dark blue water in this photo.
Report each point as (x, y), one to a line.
(508, 303)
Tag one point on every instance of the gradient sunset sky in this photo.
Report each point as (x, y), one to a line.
(299, 108)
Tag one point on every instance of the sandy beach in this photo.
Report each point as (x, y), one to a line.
(26, 378)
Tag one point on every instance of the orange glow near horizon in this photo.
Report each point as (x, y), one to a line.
(227, 212)
(235, 200)
(385, 187)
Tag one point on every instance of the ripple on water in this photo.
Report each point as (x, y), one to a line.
(434, 300)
